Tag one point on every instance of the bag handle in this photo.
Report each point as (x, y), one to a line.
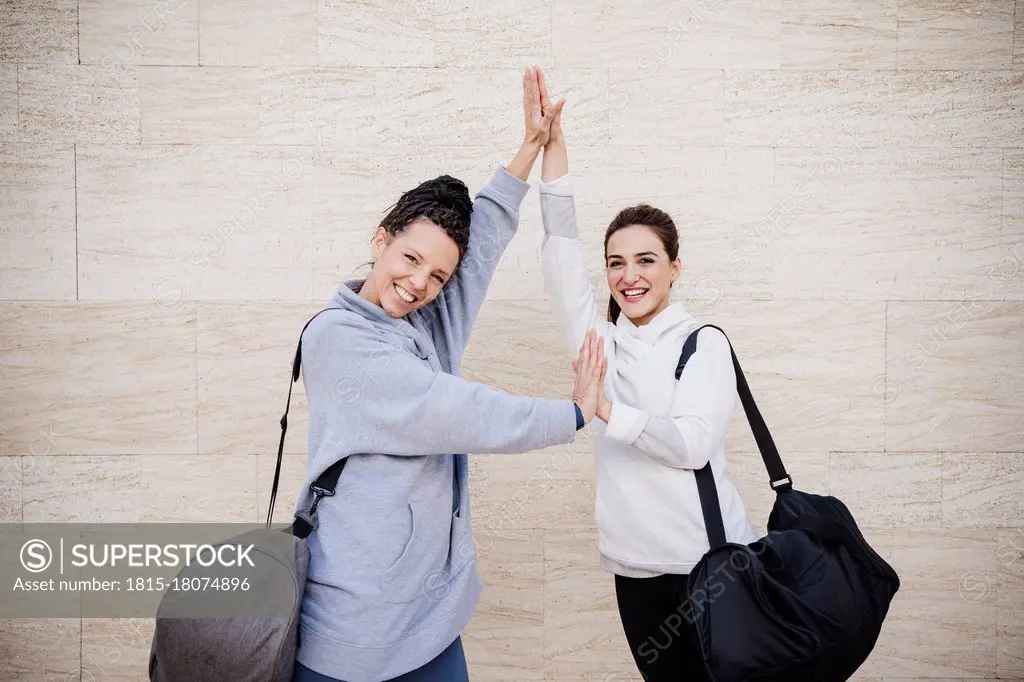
(326, 482)
(706, 488)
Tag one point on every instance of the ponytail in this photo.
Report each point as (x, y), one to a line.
(613, 310)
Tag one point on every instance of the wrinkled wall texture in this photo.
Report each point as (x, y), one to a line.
(183, 182)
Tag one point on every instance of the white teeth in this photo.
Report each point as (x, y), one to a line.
(634, 292)
(405, 295)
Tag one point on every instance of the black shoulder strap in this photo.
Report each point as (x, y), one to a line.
(327, 481)
(778, 478)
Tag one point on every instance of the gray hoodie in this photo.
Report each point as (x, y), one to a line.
(393, 577)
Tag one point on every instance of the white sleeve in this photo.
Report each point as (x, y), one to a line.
(564, 265)
(704, 401)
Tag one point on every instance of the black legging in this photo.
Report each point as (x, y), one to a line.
(662, 640)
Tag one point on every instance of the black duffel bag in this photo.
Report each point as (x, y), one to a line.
(804, 603)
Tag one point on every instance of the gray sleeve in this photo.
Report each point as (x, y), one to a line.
(494, 222)
(383, 401)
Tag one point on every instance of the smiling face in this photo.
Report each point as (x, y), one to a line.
(639, 272)
(410, 268)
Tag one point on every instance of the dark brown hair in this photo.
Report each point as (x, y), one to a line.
(444, 201)
(658, 222)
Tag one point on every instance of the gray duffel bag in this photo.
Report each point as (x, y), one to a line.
(246, 635)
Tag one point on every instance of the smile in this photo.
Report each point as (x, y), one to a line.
(634, 295)
(404, 295)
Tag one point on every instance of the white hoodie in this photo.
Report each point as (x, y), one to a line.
(647, 509)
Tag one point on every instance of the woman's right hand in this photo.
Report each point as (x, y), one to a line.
(555, 130)
(590, 369)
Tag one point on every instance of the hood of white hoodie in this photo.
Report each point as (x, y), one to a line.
(633, 343)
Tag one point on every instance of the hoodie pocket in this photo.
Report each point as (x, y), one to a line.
(419, 571)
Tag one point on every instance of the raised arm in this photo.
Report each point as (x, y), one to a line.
(562, 260)
(495, 218)
(380, 399)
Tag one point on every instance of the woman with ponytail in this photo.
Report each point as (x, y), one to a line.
(392, 578)
(652, 431)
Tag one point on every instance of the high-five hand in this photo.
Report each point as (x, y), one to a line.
(555, 131)
(538, 114)
(590, 369)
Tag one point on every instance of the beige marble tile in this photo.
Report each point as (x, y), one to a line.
(354, 189)
(258, 32)
(177, 222)
(37, 234)
(11, 476)
(655, 35)
(40, 649)
(598, 34)
(946, 34)
(316, 106)
(826, 108)
(675, 107)
(507, 631)
(510, 35)
(198, 489)
(951, 376)
(890, 490)
(784, 108)
(583, 637)
(811, 375)
(901, 108)
(290, 484)
(8, 102)
(869, 222)
(443, 107)
(982, 489)
(549, 489)
(1013, 201)
(989, 109)
(517, 347)
(1008, 277)
(98, 378)
(1018, 36)
(139, 32)
(245, 353)
(745, 34)
(84, 104)
(843, 34)
(745, 469)
(942, 621)
(140, 489)
(191, 105)
(104, 489)
(363, 34)
(721, 226)
(40, 32)
(116, 649)
(1010, 658)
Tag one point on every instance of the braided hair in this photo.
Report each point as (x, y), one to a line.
(444, 201)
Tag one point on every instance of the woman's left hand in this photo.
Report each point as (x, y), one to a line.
(604, 406)
(538, 113)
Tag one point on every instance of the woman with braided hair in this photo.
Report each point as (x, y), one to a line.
(392, 579)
